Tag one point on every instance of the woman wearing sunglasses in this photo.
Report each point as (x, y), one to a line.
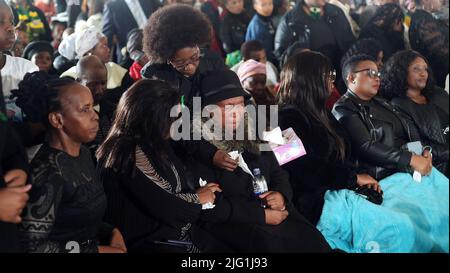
(377, 131)
(304, 92)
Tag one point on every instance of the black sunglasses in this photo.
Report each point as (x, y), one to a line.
(370, 72)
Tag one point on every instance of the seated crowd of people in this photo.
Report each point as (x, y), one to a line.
(92, 93)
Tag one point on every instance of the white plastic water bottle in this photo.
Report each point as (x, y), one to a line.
(259, 183)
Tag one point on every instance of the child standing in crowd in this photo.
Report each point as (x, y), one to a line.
(253, 50)
(58, 27)
(234, 25)
(41, 54)
(261, 27)
(252, 75)
(67, 202)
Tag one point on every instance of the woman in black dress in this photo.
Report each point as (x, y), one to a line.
(145, 183)
(67, 201)
(409, 85)
(327, 165)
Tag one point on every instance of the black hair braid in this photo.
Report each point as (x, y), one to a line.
(37, 95)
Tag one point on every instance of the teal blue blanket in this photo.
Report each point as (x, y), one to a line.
(414, 217)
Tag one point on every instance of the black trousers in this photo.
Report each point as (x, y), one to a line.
(294, 235)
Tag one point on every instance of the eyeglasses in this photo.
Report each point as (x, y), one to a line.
(333, 75)
(370, 72)
(330, 76)
(181, 66)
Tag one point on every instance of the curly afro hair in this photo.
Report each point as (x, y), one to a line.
(38, 95)
(394, 82)
(172, 28)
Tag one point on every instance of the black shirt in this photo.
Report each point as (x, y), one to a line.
(67, 203)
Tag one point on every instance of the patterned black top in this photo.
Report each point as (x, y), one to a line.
(66, 205)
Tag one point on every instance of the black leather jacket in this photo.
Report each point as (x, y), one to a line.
(429, 126)
(294, 27)
(372, 135)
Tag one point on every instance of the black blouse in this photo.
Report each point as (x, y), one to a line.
(66, 205)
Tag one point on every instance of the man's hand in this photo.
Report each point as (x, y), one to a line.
(224, 161)
(275, 217)
(368, 181)
(274, 200)
(422, 164)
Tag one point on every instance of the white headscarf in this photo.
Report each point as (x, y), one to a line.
(67, 47)
(86, 40)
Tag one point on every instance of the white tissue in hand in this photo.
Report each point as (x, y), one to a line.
(208, 205)
(242, 164)
(275, 136)
(234, 155)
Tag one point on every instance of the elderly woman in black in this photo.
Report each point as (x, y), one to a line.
(408, 83)
(67, 201)
(246, 219)
(377, 131)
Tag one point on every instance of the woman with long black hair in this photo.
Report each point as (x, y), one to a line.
(145, 183)
(302, 98)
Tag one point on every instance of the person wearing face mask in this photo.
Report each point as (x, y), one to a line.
(378, 133)
(429, 37)
(408, 84)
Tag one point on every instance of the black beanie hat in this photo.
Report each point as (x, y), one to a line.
(217, 86)
(36, 47)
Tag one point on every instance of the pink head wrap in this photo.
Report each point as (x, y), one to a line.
(250, 68)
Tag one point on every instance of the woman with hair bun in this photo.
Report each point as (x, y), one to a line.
(67, 201)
